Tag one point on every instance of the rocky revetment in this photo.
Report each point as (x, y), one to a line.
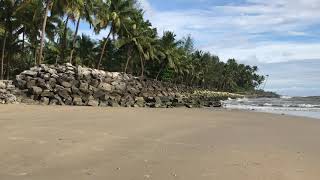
(79, 86)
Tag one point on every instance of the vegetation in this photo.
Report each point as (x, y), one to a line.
(39, 31)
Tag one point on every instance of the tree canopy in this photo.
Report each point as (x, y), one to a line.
(37, 31)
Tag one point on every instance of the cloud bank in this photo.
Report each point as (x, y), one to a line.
(255, 31)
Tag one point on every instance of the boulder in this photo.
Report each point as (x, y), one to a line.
(2, 85)
(45, 101)
(65, 93)
(30, 73)
(47, 93)
(106, 87)
(36, 90)
(84, 87)
(93, 102)
(66, 84)
(139, 101)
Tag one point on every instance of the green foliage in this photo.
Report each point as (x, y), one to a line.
(132, 46)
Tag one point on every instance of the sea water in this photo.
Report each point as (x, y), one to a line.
(297, 106)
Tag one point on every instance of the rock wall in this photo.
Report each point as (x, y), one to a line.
(79, 86)
(7, 89)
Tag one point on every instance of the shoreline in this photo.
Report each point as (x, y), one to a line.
(67, 142)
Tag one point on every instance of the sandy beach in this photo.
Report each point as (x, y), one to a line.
(82, 143)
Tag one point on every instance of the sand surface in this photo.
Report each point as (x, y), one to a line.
(78, 143)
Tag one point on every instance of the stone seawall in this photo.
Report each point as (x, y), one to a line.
(79, 86)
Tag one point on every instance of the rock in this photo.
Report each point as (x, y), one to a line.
(52, 82)
(77, 101)
(93, 102)
(41, 83)
(7, 98)
(2, 85)
(36, 90)
(45, 101)
(75, 90)
(54, 102)
(104, 104)
(47, 93)
(158, 102)
(64, 93)
(66, 84)
(113, 104)
(31, 83)
(139, 101)
(99, 94)
(98, 74)
(119, 86)
(84, 87)
(189, 106)
(46, 76)
(105, 86)
(84, 73)
(52, 71)
(59, 100)
(30, 73)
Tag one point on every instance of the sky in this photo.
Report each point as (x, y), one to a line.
(282, 37)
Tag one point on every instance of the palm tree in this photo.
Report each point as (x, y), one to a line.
(82, 9)
(44, 24)
(115, 18)
(10, 28)
(3, 51)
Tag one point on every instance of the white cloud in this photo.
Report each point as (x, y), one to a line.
(243, 31)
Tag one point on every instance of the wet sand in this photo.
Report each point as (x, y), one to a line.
(83, 143)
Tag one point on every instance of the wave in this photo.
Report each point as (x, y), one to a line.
(286, 97)
(273, 108)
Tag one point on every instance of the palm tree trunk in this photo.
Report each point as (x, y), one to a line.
(103, 49)
(64, 41)
(128, 60)
(161, 69)
(142, 66)
(2, 54)
(74, 39)
(43, 31)
(8, 64)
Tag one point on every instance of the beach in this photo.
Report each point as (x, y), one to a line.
(60, 142)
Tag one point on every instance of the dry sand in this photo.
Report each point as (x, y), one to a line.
(81, 143)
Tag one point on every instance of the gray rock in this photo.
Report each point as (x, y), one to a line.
(84, 87)
(47, 93)
(31, 83)
(54, 102)
(30, 73)
(45, 101)
(77, 100)
(93, 102)
(106, 87)
(41, 83)
(113, 103)
(139, 101)
(158, 102)
(36, 90)
(119, 86)
(65, 93)
(2, 85)
(99, 94)
(66, 84)
(58, 98)
(75, 90)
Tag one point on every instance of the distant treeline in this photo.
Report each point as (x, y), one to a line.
(38, 31)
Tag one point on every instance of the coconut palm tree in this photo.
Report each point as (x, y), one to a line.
(114, 18)
(48, 5)
(82, 10)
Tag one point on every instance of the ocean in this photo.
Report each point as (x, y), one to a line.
(296, 106)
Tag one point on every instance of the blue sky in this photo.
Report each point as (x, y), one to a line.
(270, 34)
